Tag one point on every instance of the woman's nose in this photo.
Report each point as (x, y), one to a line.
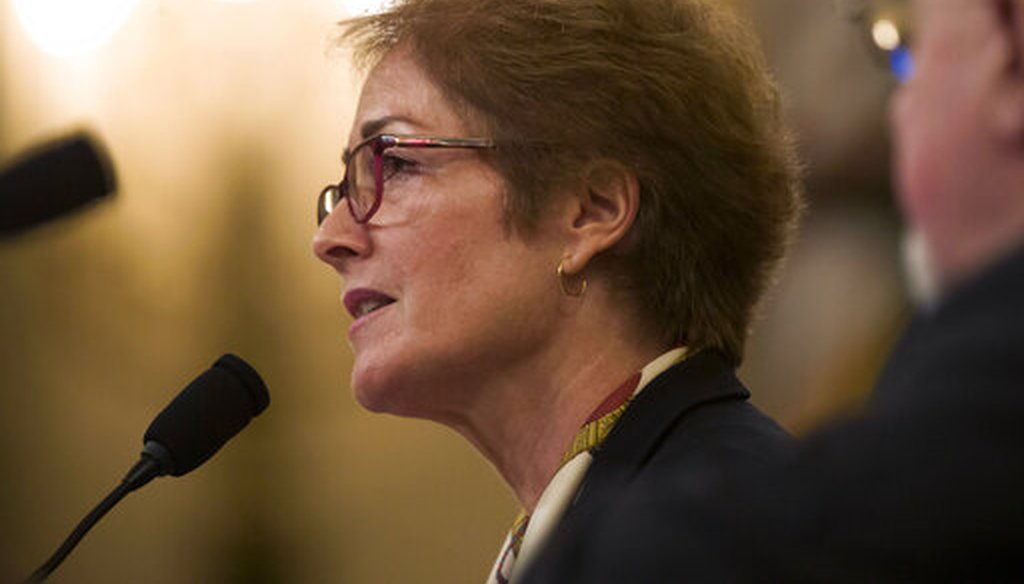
(339, 239)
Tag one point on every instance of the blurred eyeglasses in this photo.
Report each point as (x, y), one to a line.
(369, 166)
(885, 25)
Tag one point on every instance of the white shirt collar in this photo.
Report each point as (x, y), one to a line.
(561, 490)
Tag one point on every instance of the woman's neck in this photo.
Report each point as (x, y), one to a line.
(528, 413)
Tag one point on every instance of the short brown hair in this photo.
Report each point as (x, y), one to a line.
(677, 90)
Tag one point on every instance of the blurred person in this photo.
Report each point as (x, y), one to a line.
(555, 221)
(926, 484)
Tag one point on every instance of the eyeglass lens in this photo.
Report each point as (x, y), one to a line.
(368, 168)
(363, 173)
(325, 203)
(360, 185)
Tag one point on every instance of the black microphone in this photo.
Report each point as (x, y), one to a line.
(51, 180)
(191, 429)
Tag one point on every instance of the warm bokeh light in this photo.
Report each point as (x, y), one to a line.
(69, 27)
(885, 34)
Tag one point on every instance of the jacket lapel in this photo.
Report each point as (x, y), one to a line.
(701, 378)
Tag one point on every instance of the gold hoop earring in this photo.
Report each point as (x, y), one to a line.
(578, 290)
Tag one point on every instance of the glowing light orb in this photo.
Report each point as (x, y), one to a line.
(886, 35)
(69, 27)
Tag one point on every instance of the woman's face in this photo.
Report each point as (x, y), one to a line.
(456, 297)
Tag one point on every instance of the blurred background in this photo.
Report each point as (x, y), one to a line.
(224, 119)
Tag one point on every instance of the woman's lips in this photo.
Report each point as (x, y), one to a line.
(362, 301)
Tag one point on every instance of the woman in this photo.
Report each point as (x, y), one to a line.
(555, 220)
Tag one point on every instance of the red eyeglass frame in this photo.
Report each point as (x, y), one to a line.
(332, 194)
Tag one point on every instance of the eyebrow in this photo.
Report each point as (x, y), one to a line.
(373, 127)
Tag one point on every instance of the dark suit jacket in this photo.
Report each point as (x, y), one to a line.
(928, 485)
(684, 427)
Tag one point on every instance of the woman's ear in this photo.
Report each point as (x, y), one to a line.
(601, 212)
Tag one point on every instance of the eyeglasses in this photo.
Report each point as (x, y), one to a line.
(886, 26)
(368, 167)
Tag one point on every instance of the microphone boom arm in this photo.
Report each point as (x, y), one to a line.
(144, 471)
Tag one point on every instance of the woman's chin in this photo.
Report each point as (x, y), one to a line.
(371, 396)
(404, 388)
(380, 397)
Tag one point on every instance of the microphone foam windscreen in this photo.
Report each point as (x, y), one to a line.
(208, 413)
(51, 180)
